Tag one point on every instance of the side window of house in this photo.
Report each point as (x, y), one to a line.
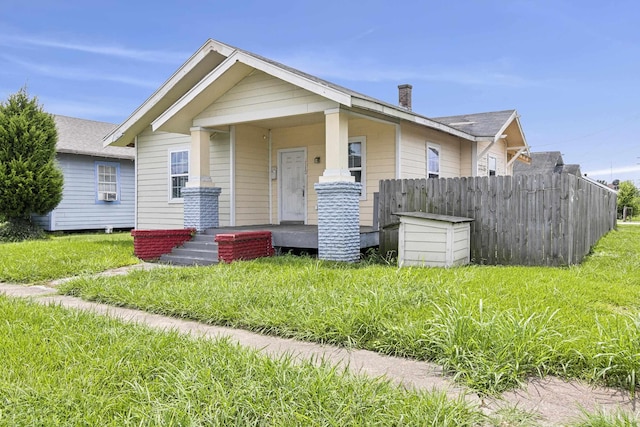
(491, 165)
(179, 173)
(107, 181)
(357, 161)
(433, 161)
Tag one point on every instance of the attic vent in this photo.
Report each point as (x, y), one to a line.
(461, 123)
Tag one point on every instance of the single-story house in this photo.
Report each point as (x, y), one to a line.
(546, 162)
(233, 138)
(98, 181)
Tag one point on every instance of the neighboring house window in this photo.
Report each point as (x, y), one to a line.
(357, 162)
(433, 161)
(107, 181)
(179, 173)
(491, 165)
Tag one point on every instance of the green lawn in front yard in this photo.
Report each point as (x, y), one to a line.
(489, 326)
(38, 261)
(72, 368)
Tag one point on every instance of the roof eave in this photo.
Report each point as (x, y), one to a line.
(242, 57)
(122, 134)
(407, 115)
(95, 154)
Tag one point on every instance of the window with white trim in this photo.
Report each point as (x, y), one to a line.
(357, 162)
(492, 165)
(107, 179)
(433, 161)
(178, 173)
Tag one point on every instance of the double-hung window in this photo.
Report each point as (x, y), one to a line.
(107, 178)
(178, 173)
(492, 165)
(357, 162)
(433, 161)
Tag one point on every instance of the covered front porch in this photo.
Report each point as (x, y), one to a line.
(203, 249)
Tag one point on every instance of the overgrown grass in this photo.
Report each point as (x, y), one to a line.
(64, 256)
(64, 367)
(489, 326)
(603, 419)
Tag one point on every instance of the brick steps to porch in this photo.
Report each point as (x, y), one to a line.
(200, 250)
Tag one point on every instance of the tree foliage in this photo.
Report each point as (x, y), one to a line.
(628, 195)
(30, 180)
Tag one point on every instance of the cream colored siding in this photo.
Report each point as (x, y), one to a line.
(251, 175)
(499, 151)
(466, 168)
(261, 92)
(414, 140)
(380, 159)
(221, 174)
(154, 210)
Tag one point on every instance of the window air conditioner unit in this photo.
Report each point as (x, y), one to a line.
(108, 197)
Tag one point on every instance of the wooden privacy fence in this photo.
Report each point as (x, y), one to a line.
(518, 220)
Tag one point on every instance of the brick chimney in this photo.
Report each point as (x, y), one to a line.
(404, 96)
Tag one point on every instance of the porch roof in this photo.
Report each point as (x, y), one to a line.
(192, 85)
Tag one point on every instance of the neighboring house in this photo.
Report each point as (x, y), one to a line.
(98, 181)
(546, 162)
(233, 138)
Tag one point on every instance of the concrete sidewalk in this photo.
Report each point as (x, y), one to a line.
(556, 401)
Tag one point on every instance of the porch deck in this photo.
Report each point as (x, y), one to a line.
(297, 236)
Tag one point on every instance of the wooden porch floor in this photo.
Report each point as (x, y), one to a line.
(297, 236)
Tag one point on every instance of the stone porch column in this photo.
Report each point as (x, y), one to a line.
(338, 195)
(200, 194)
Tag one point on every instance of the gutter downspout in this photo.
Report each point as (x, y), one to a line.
(270, 181)
(232, 176)
(474, 158)
(135, 183)
(398, 151)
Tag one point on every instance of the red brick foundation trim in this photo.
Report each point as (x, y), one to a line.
(244, 245)
(150, 244)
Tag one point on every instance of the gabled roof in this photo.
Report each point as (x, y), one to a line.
(194, 81)
(480, 124)
(80, 136)
(546, 162)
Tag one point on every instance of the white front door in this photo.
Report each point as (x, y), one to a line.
(293, 184)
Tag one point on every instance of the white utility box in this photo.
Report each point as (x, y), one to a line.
(432, 240)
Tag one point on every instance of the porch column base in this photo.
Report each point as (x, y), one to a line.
(201, 209)
(338, 220)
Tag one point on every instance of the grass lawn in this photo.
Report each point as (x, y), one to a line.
(64, 367)
(489, 326)
(38, 261)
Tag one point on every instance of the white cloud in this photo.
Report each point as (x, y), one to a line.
(331, 66)
(92, 110)
(113, 51)
(79, 74)
(614, 171)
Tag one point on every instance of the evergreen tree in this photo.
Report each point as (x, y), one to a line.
(30, 180)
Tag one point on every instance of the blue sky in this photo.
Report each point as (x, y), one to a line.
(570, 68)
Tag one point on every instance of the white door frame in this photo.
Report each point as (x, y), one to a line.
(306, 193)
